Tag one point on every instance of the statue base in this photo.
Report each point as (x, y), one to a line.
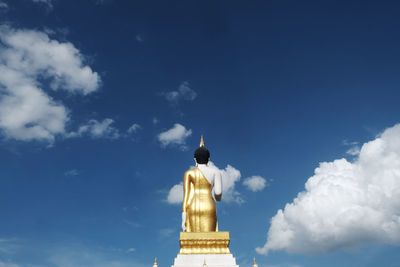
(204, 249)
(204, 243)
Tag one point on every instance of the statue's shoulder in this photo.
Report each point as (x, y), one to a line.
(191, 171)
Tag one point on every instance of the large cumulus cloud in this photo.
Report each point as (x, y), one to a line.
(29, 59)
(345, 204)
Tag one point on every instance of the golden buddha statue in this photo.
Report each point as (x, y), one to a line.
(199, 213)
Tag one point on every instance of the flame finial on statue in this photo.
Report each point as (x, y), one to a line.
(254, 262)
(201, 142)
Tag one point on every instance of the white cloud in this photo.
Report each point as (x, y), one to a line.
(345, 204)
(134, 128)
(3, 6)
(255, 183)
(28, 58)
(47, 3)
(103, 2)
(155, 120)
(8, 245)
(66, 254)
(7, 264)
(78, 255)
(97, 129)
(229, 175)
(103, 129)
(131, 250)
(139, 38)
(73, 172)
(166, 232)
(131, 223)
(175, 194)
(8, 248)
(184, 92)
(354, 151)
(177, 135)
(349, 143)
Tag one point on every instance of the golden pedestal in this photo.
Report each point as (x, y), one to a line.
(204, 243)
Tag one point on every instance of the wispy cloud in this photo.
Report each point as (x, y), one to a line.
(134, 128)
(354, 149)
(345, 204)
(103, 130)
(8, 264)
(284, 265)
(139, 38)
(78, 255)
(8, 248)
(184, 92)
(103, 2)
(166, 232)
(3, 6)
(8, 245)
(131, 250)
(73, 172)
(27, 112)
(132, 223)
(349, 143)
(47, 3)
(67, 254)
(97, 129)
(176, 136)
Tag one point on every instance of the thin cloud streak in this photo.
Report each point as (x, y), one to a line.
(184, 92)
(97, 129)
(71, 173)
(47, 3)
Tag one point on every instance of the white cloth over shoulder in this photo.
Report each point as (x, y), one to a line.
(213, 176)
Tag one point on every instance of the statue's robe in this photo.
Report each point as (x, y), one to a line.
(198, 202)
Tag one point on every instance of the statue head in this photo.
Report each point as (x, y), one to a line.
(202, 155)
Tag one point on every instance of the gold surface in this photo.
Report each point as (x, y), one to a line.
(204, 243)
(198, 203)
(201, 142)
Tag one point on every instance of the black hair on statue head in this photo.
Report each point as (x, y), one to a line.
(202, 155)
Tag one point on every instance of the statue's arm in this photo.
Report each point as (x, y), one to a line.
(218, 186)
(186, 186)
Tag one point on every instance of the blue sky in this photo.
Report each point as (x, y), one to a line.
(102, 103)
